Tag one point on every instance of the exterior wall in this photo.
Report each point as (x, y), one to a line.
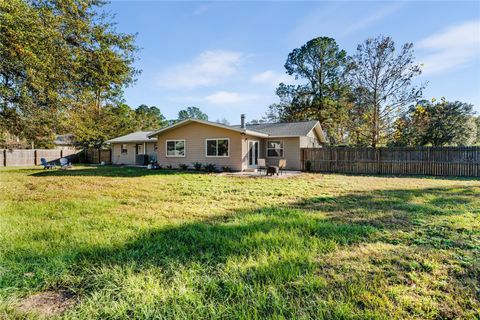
(291, 152)
(195, 134)
(129, 158)
(310, 141)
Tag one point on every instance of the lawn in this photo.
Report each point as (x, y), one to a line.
(135, 244)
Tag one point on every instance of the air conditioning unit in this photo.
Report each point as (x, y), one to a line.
(141, 159)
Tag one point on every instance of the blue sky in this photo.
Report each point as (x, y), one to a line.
(227, 57)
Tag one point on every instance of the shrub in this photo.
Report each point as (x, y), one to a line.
(183, 166)
(226, 169)
(210, 167)
(308, 165)
(197, 166)
(169, 167)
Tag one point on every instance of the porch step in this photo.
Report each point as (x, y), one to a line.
(250, 170)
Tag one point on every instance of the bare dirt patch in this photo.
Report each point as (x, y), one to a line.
(48, 303)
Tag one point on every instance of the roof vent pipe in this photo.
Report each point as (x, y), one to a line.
(242, 121)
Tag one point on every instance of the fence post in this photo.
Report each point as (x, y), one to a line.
(35, 159)
(4, 157)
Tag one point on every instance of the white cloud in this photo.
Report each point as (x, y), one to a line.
(208, 68)
(272, 77)
(453, 48)
(226, 97)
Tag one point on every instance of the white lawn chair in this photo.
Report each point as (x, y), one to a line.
(64, 164)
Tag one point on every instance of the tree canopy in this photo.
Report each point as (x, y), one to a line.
(57, 58)
(381, 78)
(323, 95)
(192, 112)
(437, 124)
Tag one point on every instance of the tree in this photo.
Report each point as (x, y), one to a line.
(223, 121)
(450, 123)
(149, 118)
(92, 127)
(477, 122)
(74, 58)
(437, 124)
(323, 97)
(381, 78)
(192, 113)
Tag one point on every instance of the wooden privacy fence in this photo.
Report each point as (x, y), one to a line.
(98, 156)
(31, 157)
(435, 161)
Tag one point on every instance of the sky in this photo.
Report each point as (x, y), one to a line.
(227, 57)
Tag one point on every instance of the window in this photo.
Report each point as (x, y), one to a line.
(217, 147)
(275, 149)
(123, 148)
(155, 147)
(175, 148)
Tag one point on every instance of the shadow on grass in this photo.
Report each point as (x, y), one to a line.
(108, 171)
(245, 233)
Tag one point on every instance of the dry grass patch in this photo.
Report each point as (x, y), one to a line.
(48, 303)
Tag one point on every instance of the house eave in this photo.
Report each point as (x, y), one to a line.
(131, 141)
(208, 123)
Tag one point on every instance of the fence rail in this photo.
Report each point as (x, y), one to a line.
(31, 157)
(435, 161)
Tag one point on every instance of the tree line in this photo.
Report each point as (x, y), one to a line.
(369, 98)
(64, 68)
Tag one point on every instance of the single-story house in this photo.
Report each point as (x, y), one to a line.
(238, 147)
(126, 148)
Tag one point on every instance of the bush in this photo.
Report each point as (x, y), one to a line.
(169, 167)
(183, 166)
(226, 169)
(197, 166)
(210, 167)
(308, 165)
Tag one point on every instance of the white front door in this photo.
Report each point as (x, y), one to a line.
(253, 154)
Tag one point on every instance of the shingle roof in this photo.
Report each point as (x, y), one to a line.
(139, 136)
(283, 128)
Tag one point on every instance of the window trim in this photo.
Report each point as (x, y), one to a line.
(267, 148)
(122, 150)
(217, 156)
(175, 156)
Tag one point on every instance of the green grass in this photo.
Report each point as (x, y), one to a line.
(138, 244)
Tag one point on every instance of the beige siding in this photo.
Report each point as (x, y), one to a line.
(129, 158)
(291, 152)
(310, 141)
(195, 134)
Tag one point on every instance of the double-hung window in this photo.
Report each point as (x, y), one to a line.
(275, 148)
(217, 147)
(175, 148)
(123, 148)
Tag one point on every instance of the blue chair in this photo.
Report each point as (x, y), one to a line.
(47, 165)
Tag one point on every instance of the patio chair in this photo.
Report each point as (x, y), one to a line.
(261, 165)
(47, 165)
(64, 164)
(282, 165)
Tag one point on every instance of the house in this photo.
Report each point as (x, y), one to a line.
(65, 142)
(237, 147)
(126, 148)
